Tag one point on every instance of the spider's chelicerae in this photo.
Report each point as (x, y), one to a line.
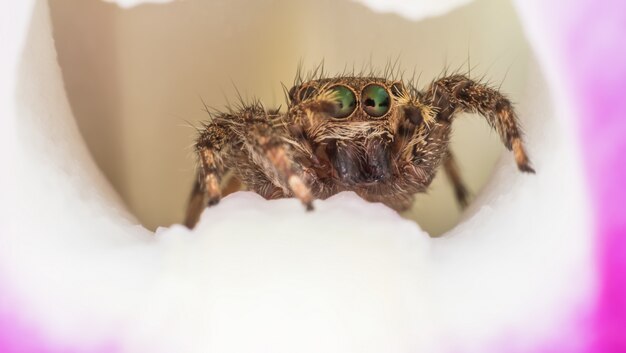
(378, 137)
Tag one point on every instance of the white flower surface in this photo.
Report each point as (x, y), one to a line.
(414, 10)
(131, 3)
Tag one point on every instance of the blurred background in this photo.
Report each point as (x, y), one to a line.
(136, 77)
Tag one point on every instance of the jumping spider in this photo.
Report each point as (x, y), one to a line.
(377, 137)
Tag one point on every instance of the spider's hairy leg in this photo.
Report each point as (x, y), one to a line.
(454, 176)
(195, 205)
(207, 185)
(458, 93)
(210, 148)
(268, 149)
(233, 184)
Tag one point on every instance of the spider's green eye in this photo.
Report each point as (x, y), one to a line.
(376, 100)
(346, 101)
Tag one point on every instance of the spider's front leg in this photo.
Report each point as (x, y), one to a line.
(247, 143)
(453, 94)
(267, 148)
(210, 147)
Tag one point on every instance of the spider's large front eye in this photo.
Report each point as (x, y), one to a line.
(346, 101)
(376, 100)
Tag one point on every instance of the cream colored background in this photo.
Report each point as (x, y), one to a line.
(135, 77)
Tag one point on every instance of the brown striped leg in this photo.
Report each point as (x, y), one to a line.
(195, 205)
(206, 189)
(276, 156)
(454, 176)
(454, 94)
(233, 184)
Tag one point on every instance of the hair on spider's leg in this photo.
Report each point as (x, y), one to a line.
(210, 171)
(301, 191)
(206, 188)
(454, 94)
(280, 158)
(273, 155)
(521, 157)
(195, 204)
(454, 176)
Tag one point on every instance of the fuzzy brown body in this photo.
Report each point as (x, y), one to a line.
(374, 136)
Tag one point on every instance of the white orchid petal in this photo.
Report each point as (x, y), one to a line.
(414, 10)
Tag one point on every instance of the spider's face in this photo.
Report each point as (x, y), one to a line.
(350, 123)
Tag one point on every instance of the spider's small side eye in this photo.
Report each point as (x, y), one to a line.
(292, 93)
(376, 100)
(307, 92)
(397, 89)
(346, 101)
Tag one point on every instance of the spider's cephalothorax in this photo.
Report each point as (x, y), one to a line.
(374, 136)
